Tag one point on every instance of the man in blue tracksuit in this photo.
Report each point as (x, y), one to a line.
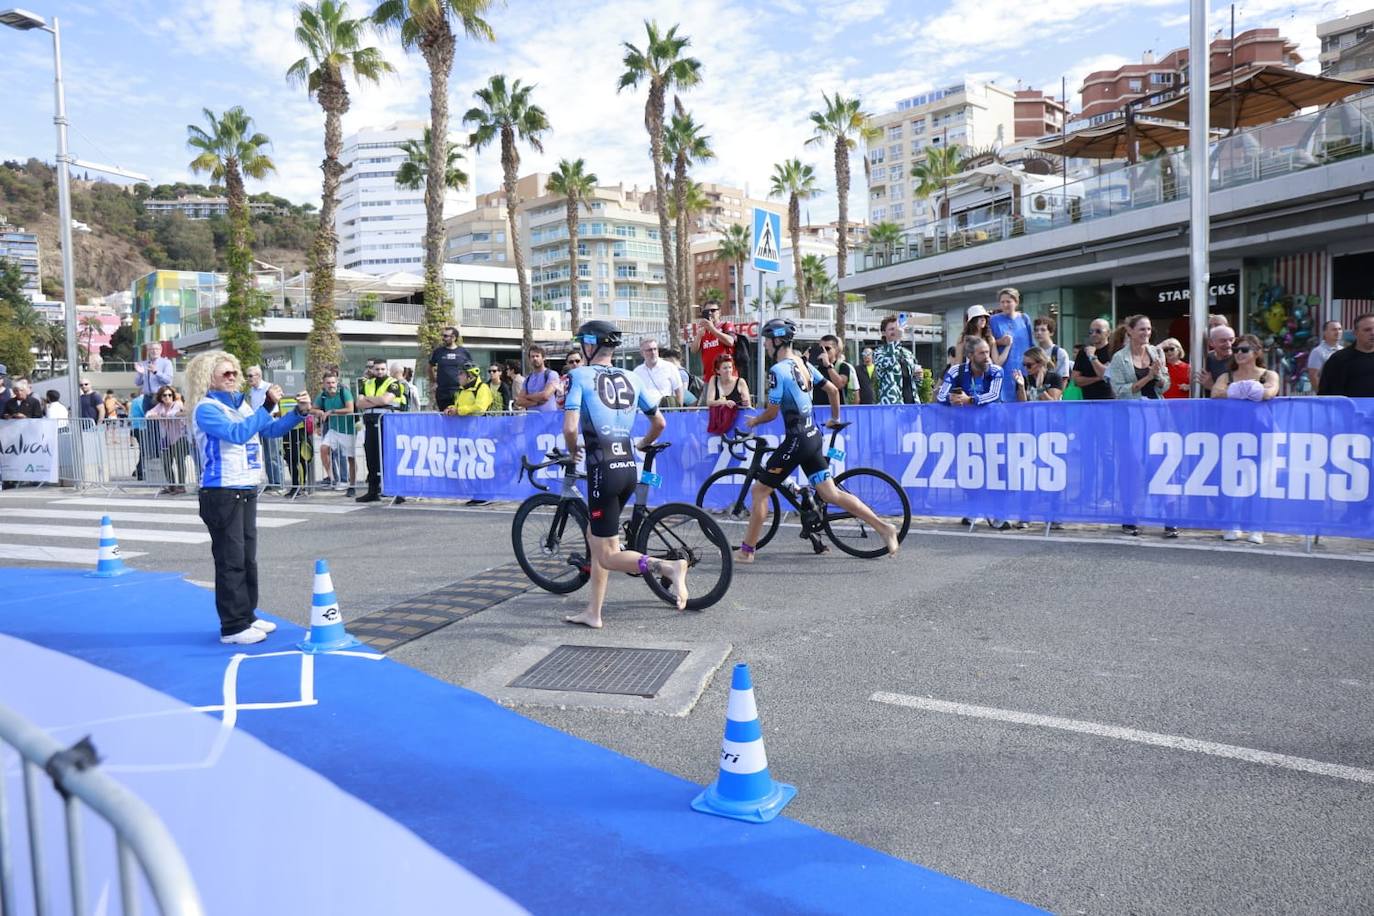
(228, 434)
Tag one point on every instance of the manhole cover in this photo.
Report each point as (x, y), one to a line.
(603, 669)
(423, 614)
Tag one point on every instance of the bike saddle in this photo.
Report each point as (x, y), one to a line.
(843, 424)
(657, 447)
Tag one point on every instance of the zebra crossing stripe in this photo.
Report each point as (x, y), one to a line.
(167, 518)
(264, 505)
(74, 556)
(126, 534)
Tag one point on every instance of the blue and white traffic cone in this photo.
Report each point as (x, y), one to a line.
(327, 633)
(108, 563)
(743, 790)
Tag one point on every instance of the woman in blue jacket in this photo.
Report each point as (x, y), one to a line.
(228, 435)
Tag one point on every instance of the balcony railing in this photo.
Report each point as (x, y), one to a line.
(1293, 145)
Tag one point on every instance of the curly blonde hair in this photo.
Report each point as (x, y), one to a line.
(200, 370)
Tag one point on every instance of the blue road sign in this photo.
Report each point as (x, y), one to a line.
(767, 241)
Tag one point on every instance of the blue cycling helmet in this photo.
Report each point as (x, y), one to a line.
(779, 329)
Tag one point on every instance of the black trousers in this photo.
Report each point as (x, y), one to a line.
(232, 517)
(372, 448)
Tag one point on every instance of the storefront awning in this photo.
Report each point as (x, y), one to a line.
(1261, 96)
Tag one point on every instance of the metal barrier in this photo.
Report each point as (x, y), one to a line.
(141, 839)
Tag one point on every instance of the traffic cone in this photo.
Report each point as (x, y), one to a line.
(108, 563)
(743, 790)
(327, 633)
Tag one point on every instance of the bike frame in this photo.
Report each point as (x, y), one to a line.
(795, 495)
(569, 492)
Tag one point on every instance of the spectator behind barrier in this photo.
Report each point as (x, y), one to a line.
(1057, 357)
(976, 324)
(333, 410)
(867, 394)
(474, 396)
(54, 409)
(572, 361)
(659, 379)
(1331, 342)
(976, 381)
(1012, 329)
(170, 430)
(1137, 368)
(1219, 341)
(1180, 373)
(1350, 372)
(894, 368)
(1090, 365)
(1035, 380)
(539, 391)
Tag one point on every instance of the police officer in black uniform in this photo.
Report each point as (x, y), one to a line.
(378, 394)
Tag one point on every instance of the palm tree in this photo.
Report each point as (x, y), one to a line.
(796, 182)
(333, 48)
(815, 278)
(428, 25)
(663, 67)
(694, 201)
(91, 326)
(884, 237)
(712, 295)
(843, 122)
(507, 114)
(932, 173)
(229, 150)
(576, 184)
(735, 248)
(776, 296)
(415, 170)
(684, 145)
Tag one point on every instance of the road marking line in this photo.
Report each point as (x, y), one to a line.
(1175, 742)
(39, 553)
(263, 504)
(127, 534)
(190, 517)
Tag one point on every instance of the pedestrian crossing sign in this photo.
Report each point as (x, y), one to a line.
(767, 255)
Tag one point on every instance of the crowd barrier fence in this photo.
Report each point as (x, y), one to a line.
(1295, 465)
(142, 841)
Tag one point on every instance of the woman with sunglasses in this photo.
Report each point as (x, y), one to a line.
(228, 434)
(500, 388)
(1246, 379)
(1180, 373)
(170, 428)
(975, 325)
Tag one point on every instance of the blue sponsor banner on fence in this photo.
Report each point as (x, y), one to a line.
(1300, 465)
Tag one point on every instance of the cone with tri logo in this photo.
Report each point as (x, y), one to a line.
(327, 633)
(108, 562)
(743, 790)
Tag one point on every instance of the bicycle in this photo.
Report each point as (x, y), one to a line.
(559, 560)
(728, 489)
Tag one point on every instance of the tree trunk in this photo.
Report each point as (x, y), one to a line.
(510, 165)
(322, 346)
(436, 46)
(794, 217)
(236, 317)
(842, 243)
(572, 263)
(684, 286)
(739, 288)
(653, 123)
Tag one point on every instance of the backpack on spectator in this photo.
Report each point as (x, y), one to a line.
(744, 356)
(695, 386)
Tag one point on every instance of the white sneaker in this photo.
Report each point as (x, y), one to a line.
(265, 626)
(1256, 538)
(244, 637)
(1232, 535)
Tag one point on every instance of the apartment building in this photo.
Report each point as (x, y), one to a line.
(1348, 46)
(972, 115)
(1105, 94)
(1038, 115)
(481, 235)
(620, 256)
(195, 207)
(22, 248)
(381, 226)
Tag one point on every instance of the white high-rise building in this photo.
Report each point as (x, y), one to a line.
(381, 226)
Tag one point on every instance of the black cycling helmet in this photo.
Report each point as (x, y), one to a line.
(779, 329)
(598, 333)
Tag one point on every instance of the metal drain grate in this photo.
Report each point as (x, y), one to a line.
(603, 669)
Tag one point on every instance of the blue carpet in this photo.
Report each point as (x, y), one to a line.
(555, 823)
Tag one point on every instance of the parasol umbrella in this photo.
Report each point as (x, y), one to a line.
(1120, 140)
(1261, 96)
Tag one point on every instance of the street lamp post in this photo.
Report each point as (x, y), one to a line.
(1199, 119)
(23, 20)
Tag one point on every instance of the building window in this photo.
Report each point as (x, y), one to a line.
(1134, 86)
(918, 127)
(877, 155)
(898, 212)
(894, 132)
(895, 151)
(1161, 79)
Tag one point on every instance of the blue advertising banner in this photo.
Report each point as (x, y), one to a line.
(1298, 465)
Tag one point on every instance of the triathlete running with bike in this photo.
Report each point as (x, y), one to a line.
(601, 404)
(791, 380)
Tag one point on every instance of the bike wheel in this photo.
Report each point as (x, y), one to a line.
(728, 491)
(880, 493)
(549, 535)
(678, 531)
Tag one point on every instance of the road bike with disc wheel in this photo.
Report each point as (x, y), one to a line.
(549, 535)
(727, 491)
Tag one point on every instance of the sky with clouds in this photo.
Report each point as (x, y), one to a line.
(138, 71)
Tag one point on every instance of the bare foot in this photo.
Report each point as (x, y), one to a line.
(680, 583)
(889, 535)
(585, 619)
(744, 556)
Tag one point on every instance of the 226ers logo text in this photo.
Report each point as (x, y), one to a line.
(615, 391)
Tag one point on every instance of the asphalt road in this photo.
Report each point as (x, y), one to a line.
(1237, 647)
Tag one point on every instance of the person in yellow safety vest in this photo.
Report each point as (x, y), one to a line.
(378, 394)
(473, 397)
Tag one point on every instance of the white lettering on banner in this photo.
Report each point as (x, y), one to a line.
(453, 457)
(28, 450)
(1318, 467)
(1018, 462)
